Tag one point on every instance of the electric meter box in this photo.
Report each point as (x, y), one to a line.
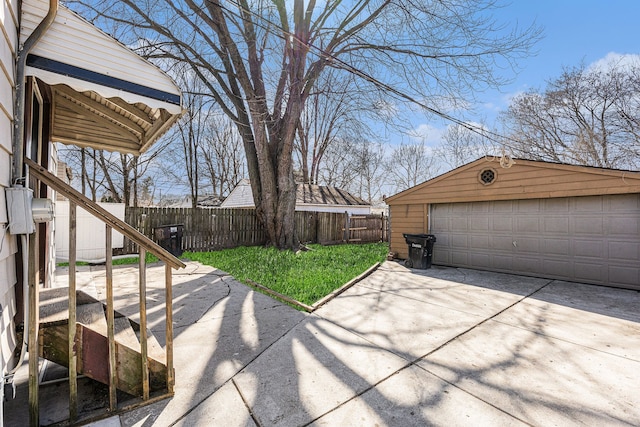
(19, 209)
(42, 210)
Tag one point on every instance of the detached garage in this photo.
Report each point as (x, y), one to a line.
(536, 218)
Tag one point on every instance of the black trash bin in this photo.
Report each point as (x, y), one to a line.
(169, 237)
(420, 250)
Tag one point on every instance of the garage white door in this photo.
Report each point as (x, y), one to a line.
(584, 239)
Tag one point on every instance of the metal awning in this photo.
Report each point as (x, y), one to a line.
(103, 95)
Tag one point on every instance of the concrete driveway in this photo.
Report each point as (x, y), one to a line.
(407, 347)
(403, 347)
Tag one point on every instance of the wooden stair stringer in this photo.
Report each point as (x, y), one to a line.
(92, 343)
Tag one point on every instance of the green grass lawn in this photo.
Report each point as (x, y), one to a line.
(306, 276)
(149, 257)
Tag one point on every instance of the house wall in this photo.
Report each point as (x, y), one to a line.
(8, 244)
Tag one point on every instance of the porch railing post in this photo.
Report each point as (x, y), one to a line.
(73, 358)
(143, 323)
(169, 327)
(113, 402)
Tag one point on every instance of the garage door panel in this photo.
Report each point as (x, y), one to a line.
(459, 258)
(591, 272)
(459, 224)
(477, 259)
(480, 223)
(528, 224)
(588, 239)
(588, 248)
(526, 264)
(621, 225)
(624, 251)
(501, 262)
(501, 223)
(479, 241)
(557, 267)
(628, 204)
(501, 243)
(587, 225)
(588, 204)
(560, 205)
(556, 225)
(556, 246)
(460, 207)
(459, 241)
(624, 275)
(528, 245)
(439, 223)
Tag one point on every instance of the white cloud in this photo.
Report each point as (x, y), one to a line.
(613, 59)
(430, 134)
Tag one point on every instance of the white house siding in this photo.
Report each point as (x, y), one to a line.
(8, 246)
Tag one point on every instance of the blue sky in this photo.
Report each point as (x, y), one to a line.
(575, 31)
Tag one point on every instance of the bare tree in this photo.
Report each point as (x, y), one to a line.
(222, 155)
(369, 161)
(111, 176)
(409, 165)
(587, 116)
(461, 145)
(261, 60)
(335, 110)
(187, 138)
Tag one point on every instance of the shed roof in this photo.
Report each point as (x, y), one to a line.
(306, 194)
(104, 95)
(525, 179)
(326, 195)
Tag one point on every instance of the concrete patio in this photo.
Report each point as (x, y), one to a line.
(403, 347)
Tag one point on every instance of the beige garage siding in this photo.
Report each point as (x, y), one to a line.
(594, 239)
(407, 219)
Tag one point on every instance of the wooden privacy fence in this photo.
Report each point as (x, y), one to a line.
(218, 228)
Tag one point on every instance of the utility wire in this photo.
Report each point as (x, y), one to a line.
(490, 135)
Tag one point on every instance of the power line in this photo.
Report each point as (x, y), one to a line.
(492, 136)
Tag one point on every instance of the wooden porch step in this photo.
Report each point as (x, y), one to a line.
(92, 316)
(54, 305)
(125, 334)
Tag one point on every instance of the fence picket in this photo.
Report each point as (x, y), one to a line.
(206, 229)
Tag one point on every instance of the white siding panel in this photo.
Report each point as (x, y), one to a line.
(3, 212)
(74, 41)
(5, 169)
(6, 97)
(9, 24)
(5, 132)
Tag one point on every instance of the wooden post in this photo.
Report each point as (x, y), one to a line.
(113, 375)
(142, 274)
(169, 327)
(73, 357)
(34, 320)
(347, 232)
